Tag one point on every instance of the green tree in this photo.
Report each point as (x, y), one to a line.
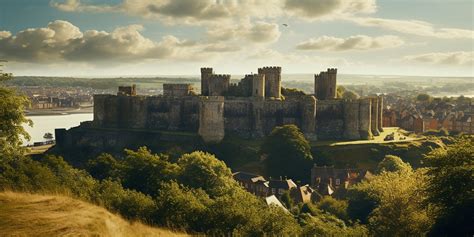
(336, 207)
(450, 188)
(391, 163)
(205, 171)
(182, 207)
(340, 91)
(105, 166)
(12, 118)
(350, 95)
(287, 152)
(391, 204)
(144, 171)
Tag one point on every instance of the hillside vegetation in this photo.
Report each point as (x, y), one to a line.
(24, 214)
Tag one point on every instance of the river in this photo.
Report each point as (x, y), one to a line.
(47, 123)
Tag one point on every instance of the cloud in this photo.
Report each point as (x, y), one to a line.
(413, 27)
(181, 11)
(259, 32)
(462, 58)
(314, 9)
(358, 42)
(77, 6)
(62, 41)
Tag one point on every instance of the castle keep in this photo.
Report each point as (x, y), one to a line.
(250, 108)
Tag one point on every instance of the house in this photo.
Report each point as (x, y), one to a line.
(273, 200)
(302, 194)
(279, 187)
(326, 180)
(253, 183)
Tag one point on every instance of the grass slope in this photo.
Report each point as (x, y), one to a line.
(46, 215)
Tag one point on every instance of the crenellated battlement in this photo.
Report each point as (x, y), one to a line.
(220, 76)
(332, 70)
(271, 69)
(207, 70)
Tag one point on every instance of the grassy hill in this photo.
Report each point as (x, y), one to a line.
(46, 215)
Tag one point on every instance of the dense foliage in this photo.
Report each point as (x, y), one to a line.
(288, 153)
(12, 117)
(390, 203)
(450, 188)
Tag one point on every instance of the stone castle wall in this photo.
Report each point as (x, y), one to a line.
(178, 90)
(251, 108)
(147, 112)
(213, 116)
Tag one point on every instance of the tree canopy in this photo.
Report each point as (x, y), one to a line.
(287, 152)
(12, 118)
(450, 188)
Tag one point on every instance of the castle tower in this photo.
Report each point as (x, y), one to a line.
(374, 121)
(206, 73)
(218, 84)
(258, 85)
(380, 114)
(325, 84)
(272, 81)
(351, 120)
(364, 119)
(211, 118)
(308, 117)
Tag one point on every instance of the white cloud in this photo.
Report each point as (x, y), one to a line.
(61, 40)
(314, 9)
(462, 58)
(259, 32)
(413, 27)
(358, 42)
(181, 11)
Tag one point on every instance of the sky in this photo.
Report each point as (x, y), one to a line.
(177, 37)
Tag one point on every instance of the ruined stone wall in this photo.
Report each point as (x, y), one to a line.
(127, 90)
(178, 89)
(272, 81)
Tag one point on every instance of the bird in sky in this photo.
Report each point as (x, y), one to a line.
(285, 25)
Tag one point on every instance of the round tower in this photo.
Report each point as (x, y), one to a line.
(364, 119)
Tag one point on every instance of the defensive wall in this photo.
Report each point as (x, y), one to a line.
(251, 109)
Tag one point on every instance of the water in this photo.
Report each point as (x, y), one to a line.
(47, 123)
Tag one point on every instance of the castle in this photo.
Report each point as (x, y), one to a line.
(250, 108)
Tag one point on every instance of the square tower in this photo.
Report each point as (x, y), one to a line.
(325, 84)
(272, 81)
